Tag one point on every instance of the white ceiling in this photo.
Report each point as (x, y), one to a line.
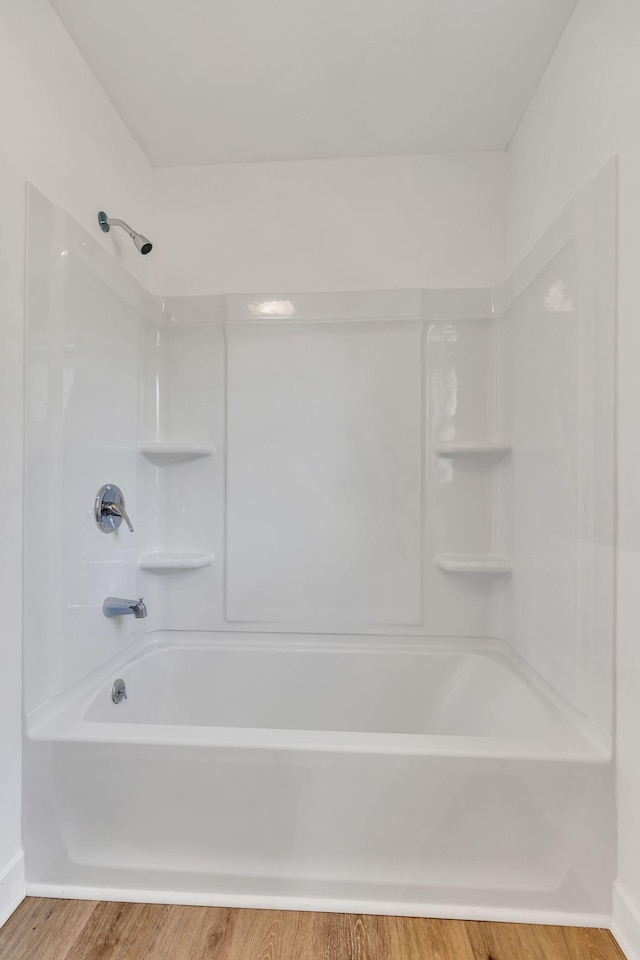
(209, 81)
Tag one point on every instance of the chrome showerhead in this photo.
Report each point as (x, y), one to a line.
(142, 244)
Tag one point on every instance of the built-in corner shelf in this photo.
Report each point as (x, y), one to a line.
(483, 563)
(459, 449)
(167, 451)
(175, 561)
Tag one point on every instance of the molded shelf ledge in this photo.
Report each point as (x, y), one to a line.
(167, 450)
(485, 563)
(175, 561)
(451, 449)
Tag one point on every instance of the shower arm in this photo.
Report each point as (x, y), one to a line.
(115, 222)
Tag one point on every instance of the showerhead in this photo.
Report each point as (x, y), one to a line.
(142, 244)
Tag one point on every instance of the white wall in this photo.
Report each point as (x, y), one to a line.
(59, 131)
(323, 225)
(586, 110)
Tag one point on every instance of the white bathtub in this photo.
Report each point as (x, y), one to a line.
(384, 774)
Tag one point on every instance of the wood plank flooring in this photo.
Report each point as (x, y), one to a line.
(93, 930)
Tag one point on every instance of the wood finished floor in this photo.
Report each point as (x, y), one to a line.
(89, 930)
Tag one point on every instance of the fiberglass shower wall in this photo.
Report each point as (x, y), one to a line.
(426, 463)
(85, 329)
(292, 465)
(556, 504)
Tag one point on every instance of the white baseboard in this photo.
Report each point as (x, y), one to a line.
(625, 921)
(380, 908)
(12, 887)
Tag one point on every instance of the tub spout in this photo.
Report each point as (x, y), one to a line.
(117, 607)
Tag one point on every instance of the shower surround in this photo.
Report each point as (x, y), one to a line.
(376, 674)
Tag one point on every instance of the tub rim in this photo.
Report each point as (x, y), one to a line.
(63, 718)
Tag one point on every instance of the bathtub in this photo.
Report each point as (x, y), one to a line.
(384, 775)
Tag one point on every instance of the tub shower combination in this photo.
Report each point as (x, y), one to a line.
(365, 666)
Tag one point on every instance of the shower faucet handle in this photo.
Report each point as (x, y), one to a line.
(117, 510)
(109, 509)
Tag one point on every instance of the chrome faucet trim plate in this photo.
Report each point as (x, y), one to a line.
(109, 509)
